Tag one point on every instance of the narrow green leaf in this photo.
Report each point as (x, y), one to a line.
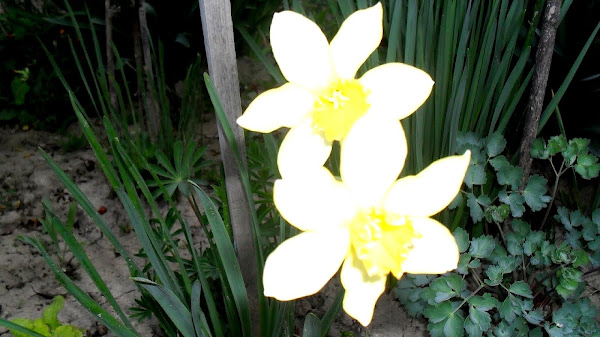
(91, 211)
(82, 297)
(271, 68)
(229, 259)
(78, 252)
(18, 328)
(177, 311)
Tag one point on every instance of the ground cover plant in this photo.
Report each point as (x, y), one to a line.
(358, 186)
(527, 280)
(48, 325)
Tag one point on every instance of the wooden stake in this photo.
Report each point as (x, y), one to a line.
(217, 28)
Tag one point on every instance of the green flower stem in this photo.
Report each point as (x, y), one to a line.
(468, 298)
(558, 174)
(501, 233)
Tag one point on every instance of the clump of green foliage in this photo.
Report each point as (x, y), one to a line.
(515, 277)
(48, 325)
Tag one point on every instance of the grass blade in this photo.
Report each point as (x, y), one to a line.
(198, 317)
(82, 297)
(271, 68)
(16, 327)
(228, 258)
(91, 212)
(175, 309)
(88, 266)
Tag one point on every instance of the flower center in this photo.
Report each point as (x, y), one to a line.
(338, 107)
(382, 242)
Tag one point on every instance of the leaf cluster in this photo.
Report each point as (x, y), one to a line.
(517, 280)
(493, 183)
(575, 154)
(48, 325)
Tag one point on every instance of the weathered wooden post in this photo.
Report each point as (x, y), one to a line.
(217, 28)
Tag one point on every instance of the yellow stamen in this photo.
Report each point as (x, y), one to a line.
(382, 242)
(338, 107)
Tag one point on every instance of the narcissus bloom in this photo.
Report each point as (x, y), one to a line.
(369, 223)
(322, 100)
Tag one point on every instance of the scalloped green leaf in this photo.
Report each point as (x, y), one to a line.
(515, 201)
(468, 140)
(507, 174)
(533, 242)
(587, 166)
(463, 264)
(589, 231)
(439, 312)
(457, 201)
(535, 193)
(455, 282)
(67, 331)
(50, 315)
(557, 144)
(534, 317)
(507, 311)
(482, 246)
(462, 239)
(521, 288)
(495, 144)
(480, 317)
(520, 227)
(538, 149)
(514, 245)
(474, 205)
(484, 303)
(454, 326)
(494, 275)
(475, 175)
(472, 329)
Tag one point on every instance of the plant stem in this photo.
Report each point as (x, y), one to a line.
(553, 195)
(468, 298)
(501, 232)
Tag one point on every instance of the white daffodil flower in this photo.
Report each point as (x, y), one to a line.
(369, 223)
(323, 100)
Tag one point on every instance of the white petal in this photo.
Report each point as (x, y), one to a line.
(284, 106)
(372, 157)
(396, 88)
(302, 149)
(301, 50)
(302, 265)
(358, 37)
(314, 201)
(431, 190)
(362, 291)
(435, 252)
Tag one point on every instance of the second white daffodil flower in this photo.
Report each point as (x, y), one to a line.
(323, 100)
(369, 223)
